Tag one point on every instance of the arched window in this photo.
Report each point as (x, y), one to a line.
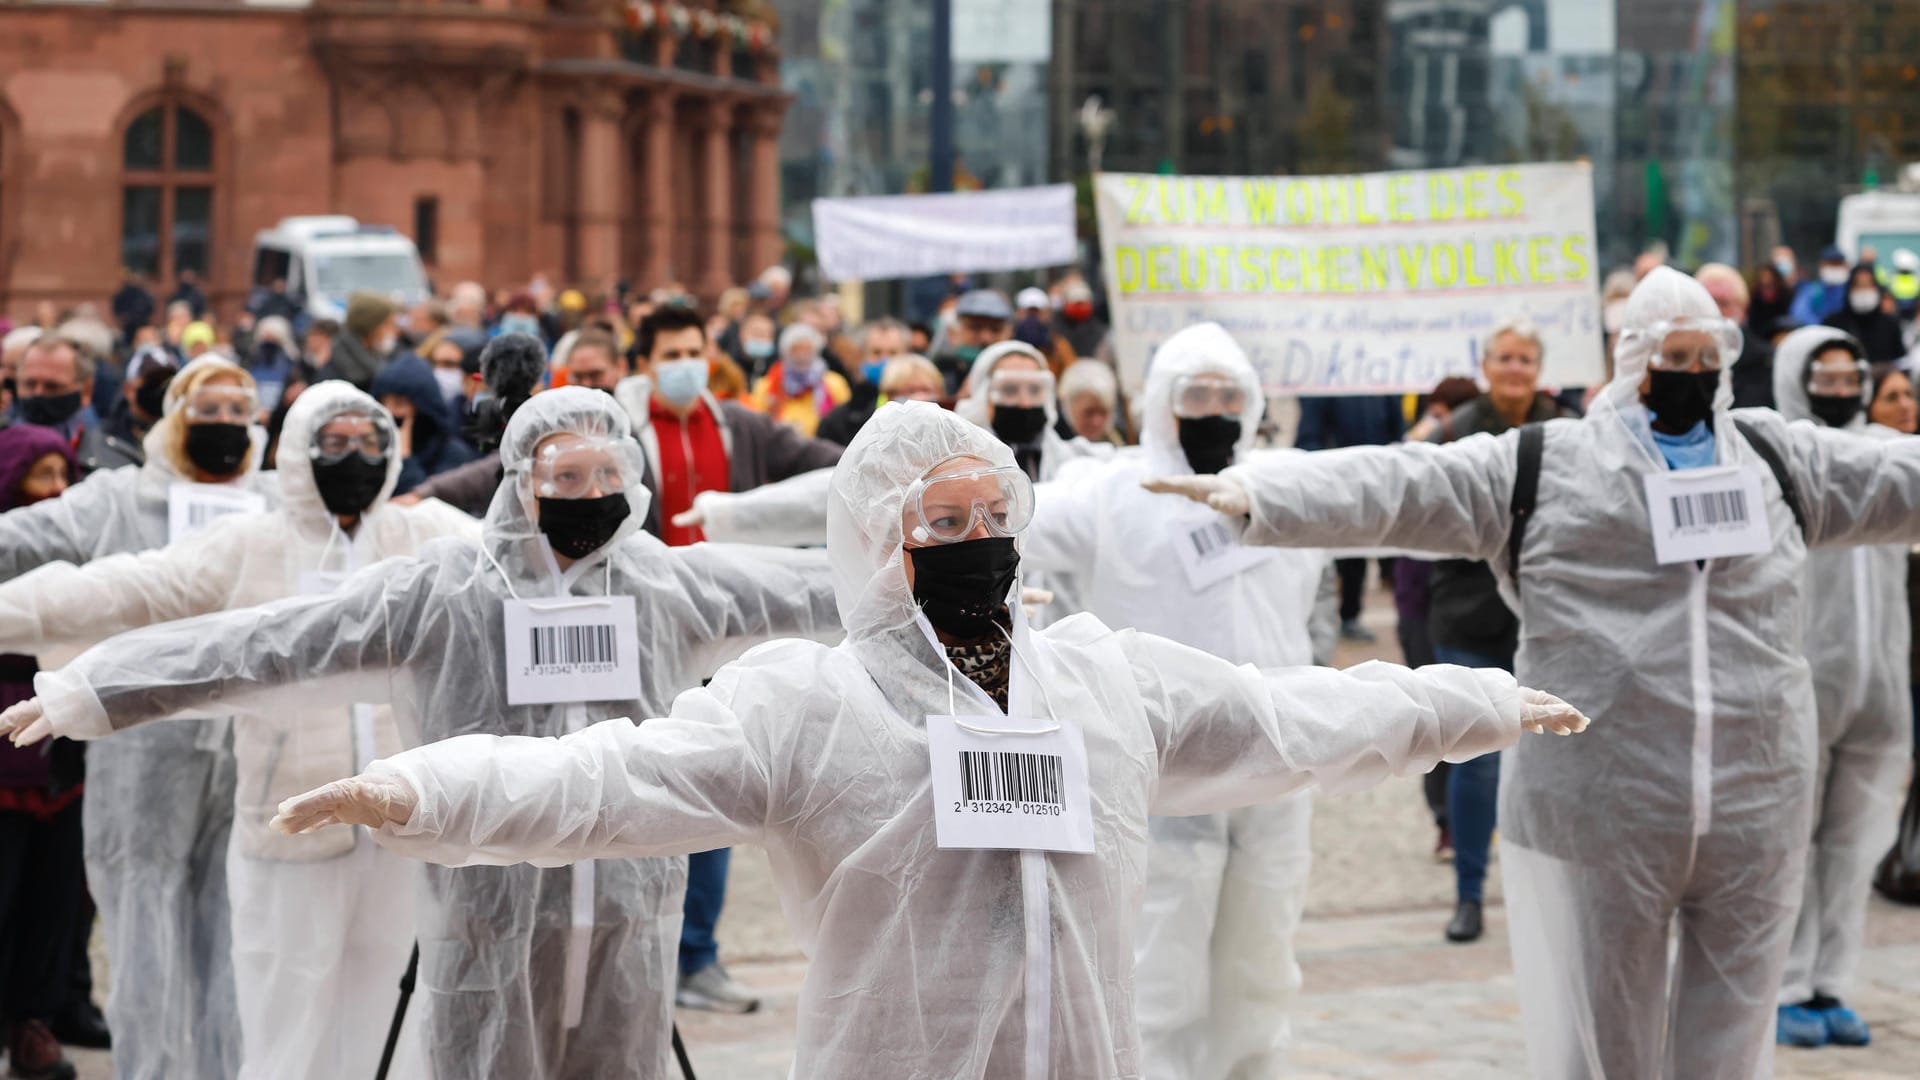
(166, 222)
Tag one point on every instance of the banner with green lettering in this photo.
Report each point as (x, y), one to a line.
(1381, 283)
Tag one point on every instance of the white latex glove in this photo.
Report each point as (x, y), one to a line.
(1541, 712)
(1224, 495)
(366, 799)
(1032, 600)
(693, 518)
(25, 723)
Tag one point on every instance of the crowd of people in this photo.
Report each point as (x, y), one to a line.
(566, 593)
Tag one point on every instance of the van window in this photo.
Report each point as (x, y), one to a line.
(269, 263)
(388, 273)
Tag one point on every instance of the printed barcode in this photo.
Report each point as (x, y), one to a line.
(987, 776)
(199, 514)
(1210, 539)
(556, 645)
(1710, 508)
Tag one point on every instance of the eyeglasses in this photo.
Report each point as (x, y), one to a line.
(1686, 343)
(333, 446)
(1195, 396)
(1020, 388)
(577, 468)
(221, 405)
(949, 507)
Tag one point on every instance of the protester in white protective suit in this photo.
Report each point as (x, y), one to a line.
(1857, 641)
(524, 973)
(1009, 391)
(321, 930)
(1214, 951)
(926, 961)
(1694, 800)
(159, 804)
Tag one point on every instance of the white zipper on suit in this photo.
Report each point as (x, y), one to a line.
(1702, 700)
(1863, 603)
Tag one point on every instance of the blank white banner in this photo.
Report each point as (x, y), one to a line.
(876, 237)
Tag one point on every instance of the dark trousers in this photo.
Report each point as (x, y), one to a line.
(1353, 583)
(706, 895)
(42, 890)
(1473, 795)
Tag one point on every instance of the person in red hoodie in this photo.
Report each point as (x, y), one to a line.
(694, 442)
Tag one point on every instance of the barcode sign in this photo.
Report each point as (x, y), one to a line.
(567, 646)
(192, 507)
(1718, 512)
(1210, 540)
(1710, 509)
(987, 776)
(199, 514)
(567, 649)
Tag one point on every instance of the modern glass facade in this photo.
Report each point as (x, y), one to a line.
(1717, 126)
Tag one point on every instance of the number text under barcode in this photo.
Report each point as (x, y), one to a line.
(987, 776)
(1710, 508)
(556, 645)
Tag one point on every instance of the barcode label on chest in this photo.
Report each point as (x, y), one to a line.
(986, 776)
(1710, 509)
(568, 646)
(1210, 540)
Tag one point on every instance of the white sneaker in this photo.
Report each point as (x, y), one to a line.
(713, 990)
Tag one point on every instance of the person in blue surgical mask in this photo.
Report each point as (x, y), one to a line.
(693, 442)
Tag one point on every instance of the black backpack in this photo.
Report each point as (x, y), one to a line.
(1526, 483)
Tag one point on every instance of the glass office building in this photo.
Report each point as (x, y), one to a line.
(1716, 126)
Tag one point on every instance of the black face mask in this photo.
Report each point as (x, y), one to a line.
(218, 449)
(50, 411)
(1835, 412)
(1209, 441)
(350, 485)
(1016, 426)
(963, 586)
(1681, 399)
(150, 397)
(579, 527)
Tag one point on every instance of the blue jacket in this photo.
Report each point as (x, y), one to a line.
(437, 445)
(1327, 423)
(1816, 301)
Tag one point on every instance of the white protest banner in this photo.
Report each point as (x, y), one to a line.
(1381, 283)
(875, 237)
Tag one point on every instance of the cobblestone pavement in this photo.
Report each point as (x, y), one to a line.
(1384, 995)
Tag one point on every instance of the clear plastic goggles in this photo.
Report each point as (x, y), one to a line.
(351, 433)
(1683, 344)
(1837, 378)
(1020, 389)
(221, 405)
(577, 467)
(952, 506)
(1208, 394)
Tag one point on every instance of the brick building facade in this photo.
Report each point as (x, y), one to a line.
(581, 139)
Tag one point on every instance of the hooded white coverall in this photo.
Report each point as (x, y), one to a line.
(159, 804)
(555, 974)
(1692, 796)
(1214, 958)
(318, 942)
(1857, 641)
(928, 962)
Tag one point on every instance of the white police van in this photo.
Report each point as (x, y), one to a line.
(325, 258)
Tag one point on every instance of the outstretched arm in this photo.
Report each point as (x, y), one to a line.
(1231, 736)
(1855, 489)
(64, 604)
(66, 529)
(738, 595)
(787, 513)
(674, 785)
(1449, 499)
(337, 649)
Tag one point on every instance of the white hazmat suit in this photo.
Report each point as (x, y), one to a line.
(1214, 956)
(526, 973)
(159, 804)
(930, 962)
(1858, 642)
(322, 927)
(1693, 797)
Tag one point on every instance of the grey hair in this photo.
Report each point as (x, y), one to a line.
(1089, 377)
(83, 361)
(867, 330)
(1524, 329)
